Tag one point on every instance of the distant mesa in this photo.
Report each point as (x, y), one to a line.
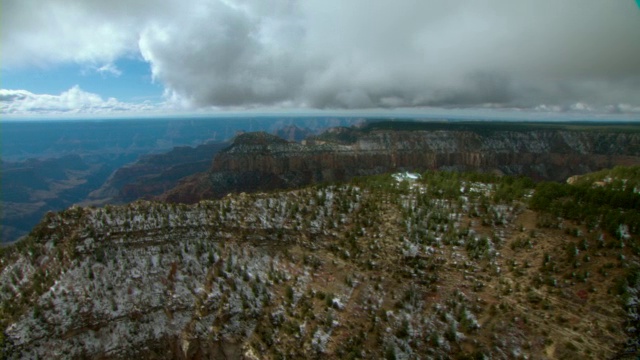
(542, 151)
(257, 138)
(293, 133)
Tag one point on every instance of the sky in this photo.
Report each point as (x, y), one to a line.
(96, 57)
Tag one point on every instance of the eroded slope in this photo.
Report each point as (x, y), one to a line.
(447, 266)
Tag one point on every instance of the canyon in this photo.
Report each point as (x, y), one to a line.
(390, 239)
(51, 165)
(260, 161)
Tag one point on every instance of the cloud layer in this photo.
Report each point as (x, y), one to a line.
(72, 101)
(544, 54)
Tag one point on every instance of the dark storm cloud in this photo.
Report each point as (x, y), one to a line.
(350, 54)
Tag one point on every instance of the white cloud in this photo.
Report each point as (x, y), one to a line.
(349, 54)
(109, 69)
(74, 100)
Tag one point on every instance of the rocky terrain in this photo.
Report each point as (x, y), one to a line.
(50, 165)
(32, 187)
(151, 175)
(259, 161)
(443, 265)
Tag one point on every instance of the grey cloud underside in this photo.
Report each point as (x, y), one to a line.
(219, 60)
(363, 54)
(369, 55)
(11, 97)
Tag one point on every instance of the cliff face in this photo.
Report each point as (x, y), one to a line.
(257, 161)
(154, 174)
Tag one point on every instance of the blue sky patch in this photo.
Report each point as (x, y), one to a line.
(128, 80)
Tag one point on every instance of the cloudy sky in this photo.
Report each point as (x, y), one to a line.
(141, 56)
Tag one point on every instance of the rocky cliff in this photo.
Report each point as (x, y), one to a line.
(154, 174)
(258, 161)
(447, 266)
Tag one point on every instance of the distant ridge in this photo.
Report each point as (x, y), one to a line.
(543, 151)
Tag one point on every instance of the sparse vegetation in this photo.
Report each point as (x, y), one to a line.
(439, 265)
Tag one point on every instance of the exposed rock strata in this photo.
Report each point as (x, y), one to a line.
(154, 174)
(258, 161)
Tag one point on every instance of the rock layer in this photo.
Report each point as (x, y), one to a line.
(153, 174)
(258, 161)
